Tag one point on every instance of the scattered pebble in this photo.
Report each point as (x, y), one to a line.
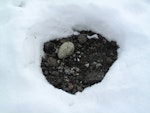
(49, 47)
(69, 71)
(46, 72)
(70, 86)
(98, 65)
(82, 38)
(87, 65)
(52, 61)
(96, 77)
(109, 59)
(65, 50)
(55, 73)
(79, 88)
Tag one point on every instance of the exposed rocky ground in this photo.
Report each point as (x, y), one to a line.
(78, 61)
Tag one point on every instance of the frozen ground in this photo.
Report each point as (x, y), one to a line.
(26, 24)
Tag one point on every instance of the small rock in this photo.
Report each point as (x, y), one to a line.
(108, 59)
(112, 54)
(79, 56)
(70, 86)
(66, 79)
(98, 65)
(46, 72)
(77, 74)
(65, 88)
(93, 65)
(82, 38)
(77, 69)
(52, 61)
(46, 64)
(87, 65)
(79, 88)
(63, 40)
(113, 43)
(60, 68)
(78, 59)
(55, 73)
(58, 61)
(65, 50)
(59, 81)
(78, 52)
(68, 71)
(49, 47)
(74, 91)
(93, 77)
(74, 55)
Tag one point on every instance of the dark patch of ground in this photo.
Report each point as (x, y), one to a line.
(88, 64)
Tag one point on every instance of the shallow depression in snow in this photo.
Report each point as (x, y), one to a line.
(23, 87)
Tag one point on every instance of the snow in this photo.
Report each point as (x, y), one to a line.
(26, 24)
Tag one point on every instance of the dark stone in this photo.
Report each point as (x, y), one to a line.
(49, 47)
(109, 59)
(82, 38)
(93, 77)
(70, 86)
(46, 72)
(79, 88)
(52, 61)
(55, 73)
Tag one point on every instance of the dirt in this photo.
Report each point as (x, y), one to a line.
(89, 63)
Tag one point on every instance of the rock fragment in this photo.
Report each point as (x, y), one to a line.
(52, 61)
(82, 38)
(93, 77)
(70, 86)
(65, 50)
(87, 65)
(49, 47)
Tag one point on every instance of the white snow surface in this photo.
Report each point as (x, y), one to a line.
(26, 24)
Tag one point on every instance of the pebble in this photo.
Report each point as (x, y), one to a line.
(70, 86)
(77, 74)
(55, 73)
(108, 59)
(52, 61)
(82, 38)
(79, 88)
(49, 47)
(46, 72)
(93, 77)
(68, 71)
(79, 56)
(78, 52)
(87, 65)
(77, 69)
(65, 50)
(46, 64)
(98, 65)
(65, 88)
(63, 40)
(113, 43)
